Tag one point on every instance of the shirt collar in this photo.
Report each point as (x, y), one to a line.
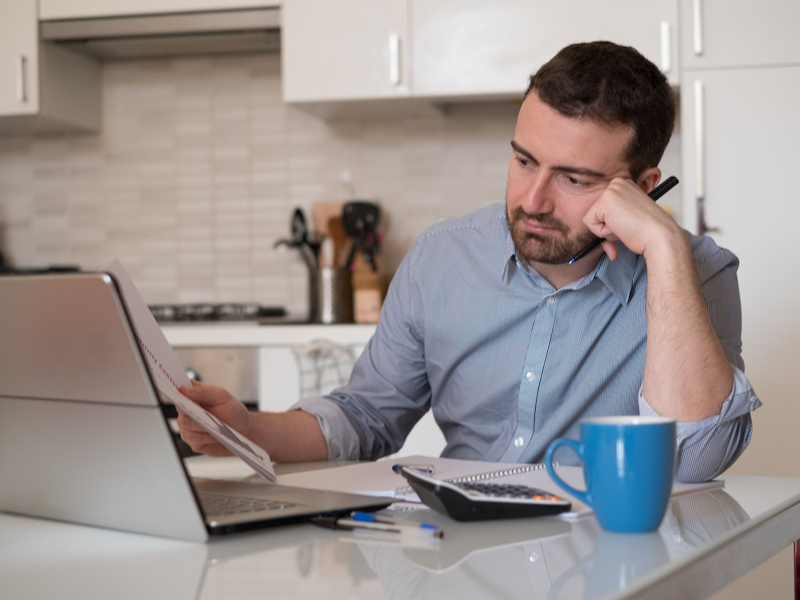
(508, 253)
(618, 276)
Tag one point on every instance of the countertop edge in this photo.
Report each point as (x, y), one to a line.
(265, 335)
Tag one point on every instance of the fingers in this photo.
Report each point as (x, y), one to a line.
(623, 212)
(610, 248)
(221, 404)
(198, 439)
(206, 395)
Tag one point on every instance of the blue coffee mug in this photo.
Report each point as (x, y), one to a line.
(628, 466)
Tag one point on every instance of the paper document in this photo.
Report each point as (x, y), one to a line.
(169, 374)
(379, 479)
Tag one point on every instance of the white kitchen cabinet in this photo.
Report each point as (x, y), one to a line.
(739, 33)
(19, 82)
(748, 127)
(81, 9)
(490, 47)
(42, 86)
(740, 126)
(453, 49)
(344, 50)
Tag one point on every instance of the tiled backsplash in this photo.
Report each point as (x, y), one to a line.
(199, 165)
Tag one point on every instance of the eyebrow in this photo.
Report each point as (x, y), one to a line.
(565, 169)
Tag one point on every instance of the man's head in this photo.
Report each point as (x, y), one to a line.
(611, 85)
(594, 112)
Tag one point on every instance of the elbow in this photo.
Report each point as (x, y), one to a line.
(697, 463)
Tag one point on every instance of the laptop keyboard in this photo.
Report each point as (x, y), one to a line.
(217, 506)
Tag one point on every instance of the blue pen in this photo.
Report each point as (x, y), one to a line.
(403, 526)
(425, 469)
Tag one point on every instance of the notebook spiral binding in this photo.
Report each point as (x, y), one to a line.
(406, 489)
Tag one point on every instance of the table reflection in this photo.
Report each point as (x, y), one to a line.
(579, 561)
(540, 559)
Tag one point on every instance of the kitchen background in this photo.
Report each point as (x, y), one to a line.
(199, 164)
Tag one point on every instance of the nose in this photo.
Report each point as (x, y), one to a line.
(537, 197)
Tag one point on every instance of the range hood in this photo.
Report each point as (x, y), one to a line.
(215, 32)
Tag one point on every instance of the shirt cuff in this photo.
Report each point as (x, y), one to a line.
(340, 435)
(741, 400)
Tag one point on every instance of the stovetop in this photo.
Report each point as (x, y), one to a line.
(214, 313)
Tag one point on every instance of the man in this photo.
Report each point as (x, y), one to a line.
(489, 325)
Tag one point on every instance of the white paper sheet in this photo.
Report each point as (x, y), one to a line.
(169, 374)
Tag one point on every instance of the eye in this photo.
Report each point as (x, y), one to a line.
(578, 183)
(524, 161)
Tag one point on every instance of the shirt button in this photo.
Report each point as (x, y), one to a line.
(550, 301)
(519, 441)
(530, 375)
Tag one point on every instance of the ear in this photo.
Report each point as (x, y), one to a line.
(649, 179)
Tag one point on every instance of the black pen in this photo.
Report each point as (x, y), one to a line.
(666, 185)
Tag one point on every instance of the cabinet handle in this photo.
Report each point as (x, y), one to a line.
(666, 47)
(699, 140)
(700, 164)
(697, 26)
(22, 79)
(394, 59)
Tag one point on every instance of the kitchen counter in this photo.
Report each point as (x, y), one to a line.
(253, 334)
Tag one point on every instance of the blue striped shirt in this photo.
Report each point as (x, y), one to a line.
(507, 363)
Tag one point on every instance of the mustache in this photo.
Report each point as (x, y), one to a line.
(546, 219)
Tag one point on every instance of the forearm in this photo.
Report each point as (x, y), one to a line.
(686, 375)
(293, 436)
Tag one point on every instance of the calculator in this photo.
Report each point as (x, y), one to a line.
(480, 500)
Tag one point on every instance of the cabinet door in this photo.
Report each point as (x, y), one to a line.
(344, 50)
(490, 47)
(79, 9)
(749, 130)
(19, 79)
(739, 33)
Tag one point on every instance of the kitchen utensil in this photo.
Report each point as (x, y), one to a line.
(300, 240)
(360, 220)
(337, 234)
(322, 214)
(330, 296)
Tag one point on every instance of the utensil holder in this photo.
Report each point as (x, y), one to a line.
(330, 296)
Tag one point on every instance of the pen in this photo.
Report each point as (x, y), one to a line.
(426, 469)
(667, 185)
(359, 520)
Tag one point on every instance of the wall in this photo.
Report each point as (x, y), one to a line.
(199, 165)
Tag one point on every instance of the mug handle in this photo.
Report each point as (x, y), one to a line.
(583, 496)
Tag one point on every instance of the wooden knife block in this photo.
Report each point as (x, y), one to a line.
(369, 290)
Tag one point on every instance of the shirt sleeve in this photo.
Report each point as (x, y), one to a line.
(707, 447)
(388, 391)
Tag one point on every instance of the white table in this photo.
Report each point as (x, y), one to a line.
(706, 541)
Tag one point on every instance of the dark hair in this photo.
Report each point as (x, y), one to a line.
(612, 85)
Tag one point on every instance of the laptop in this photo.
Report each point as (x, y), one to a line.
(84, 439)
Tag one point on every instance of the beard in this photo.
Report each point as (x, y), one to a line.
(555, 249)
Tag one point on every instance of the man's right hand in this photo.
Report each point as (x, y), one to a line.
(222, 405)
(287, 437)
